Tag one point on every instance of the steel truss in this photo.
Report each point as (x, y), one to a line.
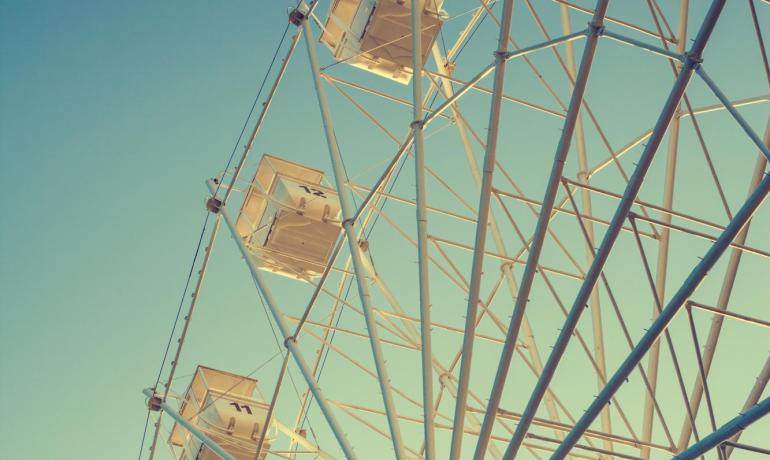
(444, 395)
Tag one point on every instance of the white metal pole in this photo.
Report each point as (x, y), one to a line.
(343, 187)
(286, 334)
(426, 352)
(481, 232)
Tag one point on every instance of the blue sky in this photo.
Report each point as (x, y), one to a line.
(111, 117)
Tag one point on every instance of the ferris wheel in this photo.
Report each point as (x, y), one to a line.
(489, 229)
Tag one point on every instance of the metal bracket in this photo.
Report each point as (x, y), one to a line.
(214, 204)
(299, 14)
(595, 29)
(154, 403)
(363, 245)
(504, 265)
(697, 59)
(296, 17)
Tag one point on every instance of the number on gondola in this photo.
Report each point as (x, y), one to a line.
(241, 407)
(313, 191)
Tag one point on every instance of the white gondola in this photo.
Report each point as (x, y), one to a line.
(222, 406)
(375, 35)
(289, 221)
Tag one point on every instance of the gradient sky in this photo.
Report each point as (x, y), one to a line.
(111, 117)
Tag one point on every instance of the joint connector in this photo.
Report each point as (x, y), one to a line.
(346, 222)
(213, 204)
(154, 403)
(504, 265)
(287, 340)
(296, 17)
(595, 28)
(363, 245)
(501, 55)
(693, 59)
(417, 124)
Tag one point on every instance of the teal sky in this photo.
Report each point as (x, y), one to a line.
(112, 115)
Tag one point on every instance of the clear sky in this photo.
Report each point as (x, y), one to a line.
(113, 114)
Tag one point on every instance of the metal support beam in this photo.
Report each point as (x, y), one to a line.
(426, 352)
(729, 106)
(540, 232)
(645, 46)
(619, 22)
(733, 427)
(595, 303)
(667, 315)
(286, 333)
(190, 427)
(481, 232)
(723, 300)
(754, 395)
(343, 186)
(506, 57)
(497, 235)
(433, 114)
(736, 445)
(631, 191)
